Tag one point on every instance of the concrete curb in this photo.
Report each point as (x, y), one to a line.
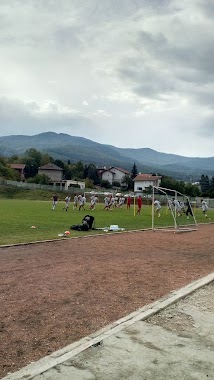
(66, 353)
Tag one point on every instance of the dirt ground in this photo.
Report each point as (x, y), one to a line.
(55, 293)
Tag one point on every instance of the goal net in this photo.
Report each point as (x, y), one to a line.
(172, 210)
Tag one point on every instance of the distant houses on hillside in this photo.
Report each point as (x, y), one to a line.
(111, 174)
(143, 181)
(55, 173)
(19, 168)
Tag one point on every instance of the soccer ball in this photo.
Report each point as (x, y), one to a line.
(67, 232)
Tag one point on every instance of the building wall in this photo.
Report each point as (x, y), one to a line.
(54, 175)
(142, 185)
(107, 176)
(118, 175)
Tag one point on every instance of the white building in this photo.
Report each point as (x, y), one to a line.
(113, 174)
(143, 181)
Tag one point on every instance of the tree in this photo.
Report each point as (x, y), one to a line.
(43, 179)
(212, 184)
(92, 174)
(79, 170)
(170, 183)
(89, 183)
(6, 172)
(67, 171)
(134, 171)
(105, 183)
(46, 159)
(205, 184)
(116, 184)
(127, 182)
(192, 190)
(148, 190)
(211, 192)
(32, 160)
(59, 163)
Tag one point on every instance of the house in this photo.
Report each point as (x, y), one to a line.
(106, 175)
(112, 174)
(20, 168)
(54, 172)
(119, 173)
(143, 181)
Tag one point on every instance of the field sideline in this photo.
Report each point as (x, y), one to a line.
(18, 216)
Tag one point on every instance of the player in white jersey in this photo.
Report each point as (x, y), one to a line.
(204, 207)
(157, 205)
(106, 203)
(75, 202)
(177, 206)
(113, 202)
(121, 202)
(170, 204)
(94, 200)
(67, 202)
(182, 205)
(82, 201)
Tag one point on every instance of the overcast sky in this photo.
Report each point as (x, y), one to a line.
(129, 73)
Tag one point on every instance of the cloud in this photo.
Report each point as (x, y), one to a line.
(27, 117)
(95, 68)
(207, 129)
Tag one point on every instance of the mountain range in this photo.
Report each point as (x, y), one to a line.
(65, 147)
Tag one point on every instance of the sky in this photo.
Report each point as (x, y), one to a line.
(128, 73)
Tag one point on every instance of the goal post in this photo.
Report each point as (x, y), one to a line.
(172, 210)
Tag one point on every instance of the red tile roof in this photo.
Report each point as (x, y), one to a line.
(147, 177)
(120, 169)
(17, 166)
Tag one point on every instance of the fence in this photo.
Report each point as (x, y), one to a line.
(35, 186)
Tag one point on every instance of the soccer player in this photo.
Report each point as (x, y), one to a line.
(158, 207)
(177, 206)
(67, 202)
(94, 200)
(75, 202)
(82, 201)
(189, 209)
(128, 202)
(106, 203)
(55, 201)
(121, 202)
(113, 202)
(139, 204)
(204, 207)
(170, 205)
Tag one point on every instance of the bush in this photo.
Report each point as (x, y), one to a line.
(41, 179)
(116, 184)
(105, 183)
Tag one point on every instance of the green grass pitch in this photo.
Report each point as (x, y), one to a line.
(18, 216)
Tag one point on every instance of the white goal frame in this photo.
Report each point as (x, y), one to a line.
(176, 227)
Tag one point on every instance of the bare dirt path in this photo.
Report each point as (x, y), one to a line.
(52, 294)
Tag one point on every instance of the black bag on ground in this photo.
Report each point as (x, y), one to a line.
(89, 220)
(80, 227)
(86, 225)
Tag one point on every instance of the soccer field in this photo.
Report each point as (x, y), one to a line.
(19, 216)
